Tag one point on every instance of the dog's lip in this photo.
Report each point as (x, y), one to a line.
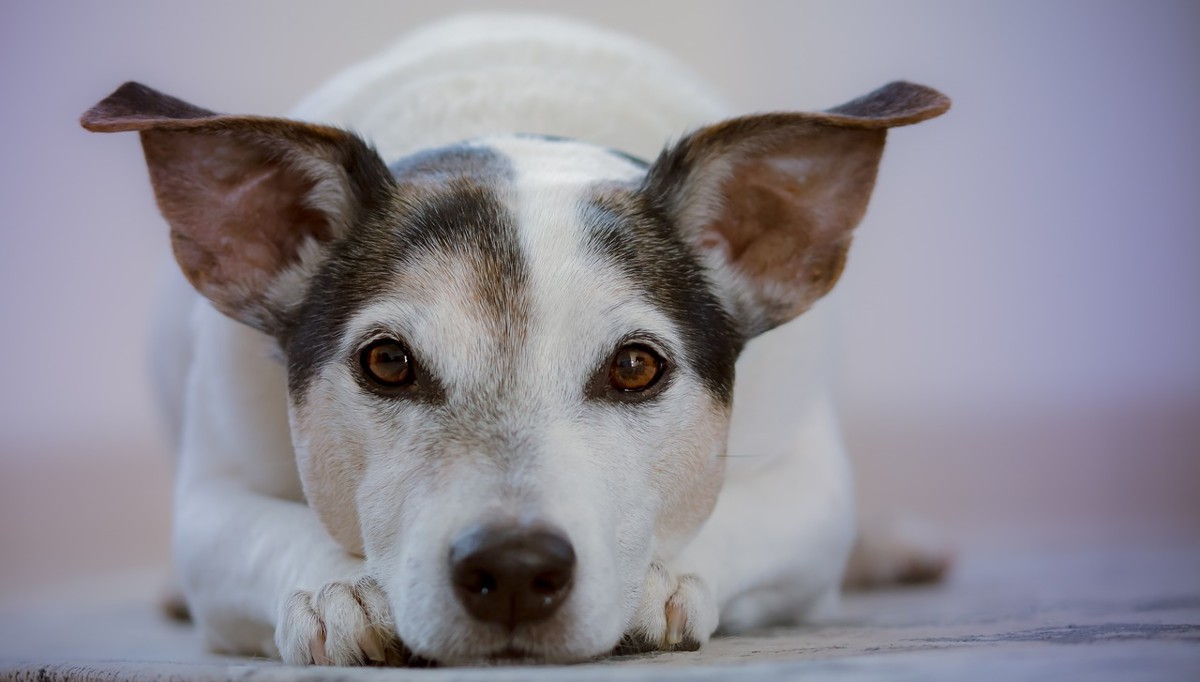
(516, 656)
(513, 655)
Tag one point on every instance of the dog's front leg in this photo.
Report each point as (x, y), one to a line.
(261, 574)
(263, 577)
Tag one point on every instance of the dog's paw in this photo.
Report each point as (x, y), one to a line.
(676, 613)
(343, 623)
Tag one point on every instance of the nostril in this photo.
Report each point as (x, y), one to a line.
(511, 574)
(549, 583)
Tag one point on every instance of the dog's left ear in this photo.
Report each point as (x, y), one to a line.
(770, 201)
(253, 202)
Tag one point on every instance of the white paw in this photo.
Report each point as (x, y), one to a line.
(343, 623)
(676, 613)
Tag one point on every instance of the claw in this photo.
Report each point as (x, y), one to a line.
(372, 648)
(676, 623)
(316, 649)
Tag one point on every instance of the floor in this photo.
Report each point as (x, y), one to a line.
(1131, 613)
(1079, 539)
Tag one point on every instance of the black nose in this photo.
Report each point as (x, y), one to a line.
(511, 575)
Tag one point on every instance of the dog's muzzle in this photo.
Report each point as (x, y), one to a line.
(511, 575)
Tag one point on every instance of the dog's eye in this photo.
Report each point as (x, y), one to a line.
(635, 368)
(386, 362)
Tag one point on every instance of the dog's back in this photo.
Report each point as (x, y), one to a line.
(487, 74)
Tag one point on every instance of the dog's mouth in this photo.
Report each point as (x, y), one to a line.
(507, 656)
(514, 655)
(511, 655)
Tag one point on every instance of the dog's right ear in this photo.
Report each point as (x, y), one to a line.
(253, 202)
(771, 201)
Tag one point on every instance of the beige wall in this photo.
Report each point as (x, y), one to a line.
(1021, 313)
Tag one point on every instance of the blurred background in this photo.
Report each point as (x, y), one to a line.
(1020, 318)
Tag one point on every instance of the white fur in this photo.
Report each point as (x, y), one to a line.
(254, 558)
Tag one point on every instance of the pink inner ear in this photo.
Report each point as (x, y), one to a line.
(785, 220)
(237, 216)
(764, 220)
(770, 232)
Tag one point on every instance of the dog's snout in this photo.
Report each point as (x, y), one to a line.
(512, 575)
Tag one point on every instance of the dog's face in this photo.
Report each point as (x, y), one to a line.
(522, 342)
(510, 362)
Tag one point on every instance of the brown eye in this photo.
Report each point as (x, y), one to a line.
(635, 368)
(386, 363)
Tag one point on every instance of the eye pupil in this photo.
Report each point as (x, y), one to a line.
(635, 368)
(386, 363)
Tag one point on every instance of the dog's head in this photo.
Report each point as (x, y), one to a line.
(510, 362)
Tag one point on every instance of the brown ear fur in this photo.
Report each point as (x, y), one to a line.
(244, 195)
(771, 200)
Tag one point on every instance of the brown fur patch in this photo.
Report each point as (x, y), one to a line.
(793, 228)
(776, 196)
(243, 194)
(238, 217)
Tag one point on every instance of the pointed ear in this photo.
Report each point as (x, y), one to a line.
(770, 201)
(253, 203)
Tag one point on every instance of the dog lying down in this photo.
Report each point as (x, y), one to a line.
(459, 386)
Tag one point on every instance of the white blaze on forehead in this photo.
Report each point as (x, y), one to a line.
(542, 161)
(580, 302)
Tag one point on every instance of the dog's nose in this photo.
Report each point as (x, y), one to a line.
(511, 575)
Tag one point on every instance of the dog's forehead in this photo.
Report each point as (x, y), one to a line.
(501, 271)
(542, 160)
(503, 160)
(509, 249)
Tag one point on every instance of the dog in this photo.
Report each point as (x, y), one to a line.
(459, 387)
